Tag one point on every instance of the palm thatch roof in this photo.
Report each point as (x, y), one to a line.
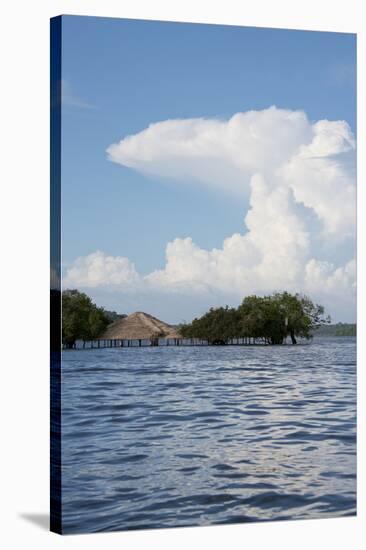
(139, 326)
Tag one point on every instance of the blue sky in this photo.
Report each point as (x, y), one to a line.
(122, 75)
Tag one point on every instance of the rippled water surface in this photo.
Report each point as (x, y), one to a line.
(160, 437)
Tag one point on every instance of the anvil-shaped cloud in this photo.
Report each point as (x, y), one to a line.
(300, 179)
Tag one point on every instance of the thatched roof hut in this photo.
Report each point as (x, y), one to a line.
(139, 326)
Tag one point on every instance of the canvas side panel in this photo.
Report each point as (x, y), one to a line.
(55, 279)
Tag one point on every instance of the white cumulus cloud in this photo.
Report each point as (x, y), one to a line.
(269, 255)
(280, 144)
(99, 269)
(219, 153)
(299, 177)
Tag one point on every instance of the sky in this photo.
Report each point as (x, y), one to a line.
(203, 163)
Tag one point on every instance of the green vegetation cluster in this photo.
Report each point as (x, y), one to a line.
(81, 318)
(270, 318)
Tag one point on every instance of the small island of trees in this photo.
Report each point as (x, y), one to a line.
(269, 318)
(262, 319)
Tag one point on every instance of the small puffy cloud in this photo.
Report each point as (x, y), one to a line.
(329, 138)
(299, 177)
(99, 269)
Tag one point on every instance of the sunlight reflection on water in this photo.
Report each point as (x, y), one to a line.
(158, 437)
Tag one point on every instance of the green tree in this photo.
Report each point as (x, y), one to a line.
(302, 316)
(218, 325)
(81, 318)
(261, 317)
(272, 318)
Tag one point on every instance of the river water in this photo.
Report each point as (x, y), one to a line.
(162, 437)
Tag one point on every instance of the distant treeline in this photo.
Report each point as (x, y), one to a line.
(338, 329)
(270, 318)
